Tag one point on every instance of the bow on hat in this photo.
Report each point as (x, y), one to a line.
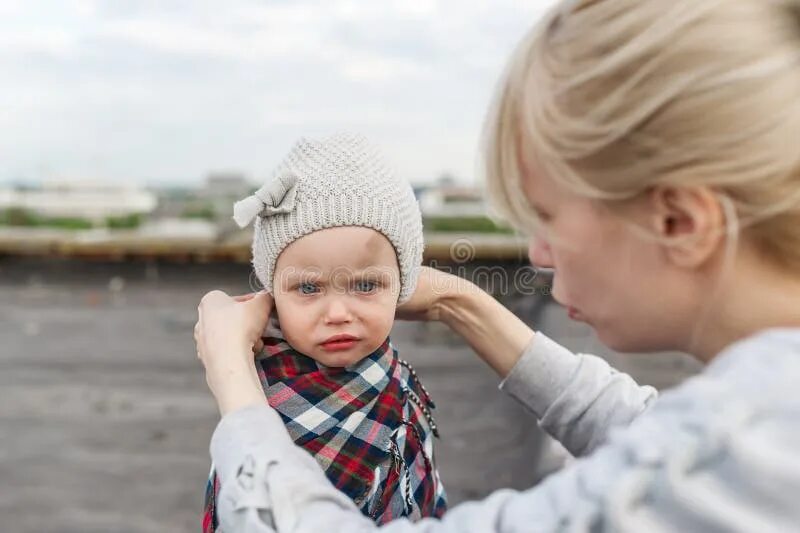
(277, 196)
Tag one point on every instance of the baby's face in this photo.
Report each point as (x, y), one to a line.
(337, 282)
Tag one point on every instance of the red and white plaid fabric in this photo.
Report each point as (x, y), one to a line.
(369, 426)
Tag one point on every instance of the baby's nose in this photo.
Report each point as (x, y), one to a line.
(337, 312)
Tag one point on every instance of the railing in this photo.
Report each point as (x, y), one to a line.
(124, 245)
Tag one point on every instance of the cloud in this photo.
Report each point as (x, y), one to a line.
(168, 90)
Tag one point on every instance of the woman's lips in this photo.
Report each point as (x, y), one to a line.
(338, 343)
(572, 312)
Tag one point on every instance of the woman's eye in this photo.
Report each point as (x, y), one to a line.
(543, 215)
(366, 286)
(307, 288)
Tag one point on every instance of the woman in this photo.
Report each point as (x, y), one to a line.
(650, 148)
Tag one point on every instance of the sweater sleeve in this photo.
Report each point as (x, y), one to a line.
(689, 464)
(718, 453)
(578, 399)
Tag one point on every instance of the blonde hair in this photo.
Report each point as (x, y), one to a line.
(615, 97)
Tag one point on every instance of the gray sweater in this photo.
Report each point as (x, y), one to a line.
(718, 453)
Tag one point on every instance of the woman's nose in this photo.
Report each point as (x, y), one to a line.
(337, 312)
(539, 253)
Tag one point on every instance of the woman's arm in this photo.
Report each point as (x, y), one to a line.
(578, 398)
(496, 334)
(673, 468)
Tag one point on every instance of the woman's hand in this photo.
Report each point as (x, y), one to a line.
(494, 332)
(434, 289)
(227, 332)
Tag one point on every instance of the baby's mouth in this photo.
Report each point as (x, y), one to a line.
(339, 342)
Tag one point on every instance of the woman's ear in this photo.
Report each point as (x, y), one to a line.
(689, 221)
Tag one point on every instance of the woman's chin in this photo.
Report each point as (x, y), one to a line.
(622, 342)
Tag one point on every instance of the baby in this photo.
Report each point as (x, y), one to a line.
(338, 243)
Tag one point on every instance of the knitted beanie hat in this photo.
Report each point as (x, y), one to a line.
(341, 180)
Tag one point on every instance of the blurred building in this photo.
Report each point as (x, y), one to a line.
(212, 201)
(95, 202)
(452, 201)
(227, 185)
(179, 228)
(220, 192)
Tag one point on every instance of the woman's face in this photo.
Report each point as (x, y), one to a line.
(606, 273)
(334, 282)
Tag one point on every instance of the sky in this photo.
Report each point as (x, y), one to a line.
(163, 92)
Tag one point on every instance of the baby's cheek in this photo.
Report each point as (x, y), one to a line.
(296, 320)
(381, 325)
(297, 334)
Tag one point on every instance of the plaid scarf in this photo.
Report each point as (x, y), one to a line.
(369, 427)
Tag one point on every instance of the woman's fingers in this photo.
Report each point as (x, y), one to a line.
(259, 308)
(421, 303)
(258, 346)
(214, 297)
(225, 322)
(197, 338)
(227, 330)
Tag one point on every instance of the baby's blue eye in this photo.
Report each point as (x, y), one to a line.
(307, 288)
(366, 286)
